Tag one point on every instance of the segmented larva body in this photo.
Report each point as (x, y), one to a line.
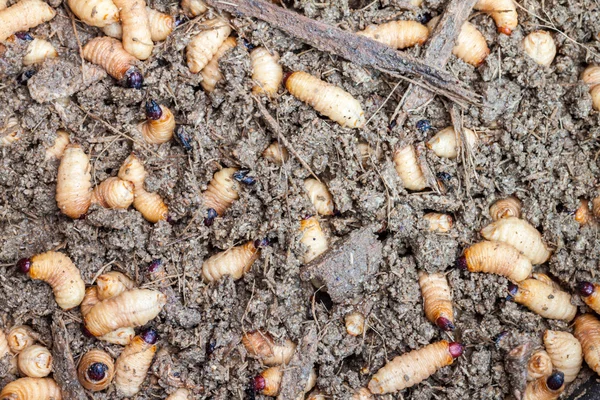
(120, 336)
(521, 235)
(545, 387)
(363, 394)
(503, 12)
(539, 365)
(269, 381)
(313, 238)
(112, 284)
(24, 15)
(397, 34)
(327, 99)
(587, 331)
(320, 197)
(211, 74)
(161, 26)
(222, 191)
(134, 362)
(35, 361)
(540, 46)
(19, 338)
(261, 345)
(74, 182)
(3, 4)
(112, 57)
(412, 368)
(39, 50)
(437, 300)
(57, 150)
(267, 73)
(470, 45)
(137, 38)
(583, 214)
(565, 352)
(31, 388)
(438, 222)
(10, 133)
(596, 207)
(98, 13)
(160, 123)
(590, 293)
(234, 262)
(96, 370)
(60, 273)
(355, 323)
(591, 76)
(505, 208)
(408, 168)
(132, 308)
(180, 394)
(205, 45)
(496, 258)
(193, 8)
(113, 193)
(276, 153)
(544, 299)
(445, 144)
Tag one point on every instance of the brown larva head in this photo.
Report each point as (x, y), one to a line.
(153, 110)
(455, 349)
(149, 336)
(97, 372)
(505, 29)
(133, 78)
(585, 289)
(461, 262)
(24, 264)
(258, 383)
(555, 381)
(286, 77)
(444, 324)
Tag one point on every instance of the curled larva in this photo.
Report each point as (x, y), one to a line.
(587, 331)
(261, 345)
(132, 308)
(320, 197)
(408, 168)
(583, 214)
(267, 73)
(355, 323)
(96, 370)
(439, 222)
(10, 133)
(161, 26)
(496, 258)
(57, 150)
(591, 76)
(193, 8)
(276, 153)
(437, 300)
(39, 50)
(312, 238)
(234, 262)
(113, 193)
(112, 284)
(205, 45)
(24, 15)
(74, 182)
(397, 34)
(20, 337)
(539, 365)
(540, 46)
(565, 352)
(521, 235)
(412, 368)
(504, 208)
(590, 293)
(329, 100)
(134, 362)
(503, 12)
(112, 57)
(35, 361)
(363, 394)
(160, 123)
(31, 389)
(222, 191)
(98, 13)
(211, 74)
(268, 382)
(445, 144)
(470, 45)
(120, 336)
(60, 273)
(137, 38)
(543, 299)
(180, 394)
(545, 387)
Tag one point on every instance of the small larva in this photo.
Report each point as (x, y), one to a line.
(24, 15)
(583, 214)
(39, 50)
(261, 345)
(312, 238)
(363, 394)
(35, 361)
(269, 381)
(540, 46)
(590, 294)
(180, 394)
(10, 133)
(503, 12)
(60, 273)
(20, 337)
(437, 300)
(565, 352)
(412, 368)
(74, 182)
(470, 45)
(521, 235)
(543, 299)
(112, 57)
(587, 331)
(320, 197)
(539, 365)
(408, 168)
(397, 34)
(211, 74)
(120, 336)
(137, 38)
(438, 222)
(193, 8)
(222, 191)
(205, 45)
(355, 323)
(31, 388)
(329, 100)
(496, 258)
(276, 153)
(160, 123)
(445, 144)
(96, 370)
(112, 284)
(113, 193)
(161, 26)
(134, 362)
(591, 76)
(98, 13)
(267, 73)
(545, 387)
(234, 262)
(57, 150)
(504, 208)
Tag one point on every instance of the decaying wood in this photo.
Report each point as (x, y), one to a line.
(65, 372)
(296, 373)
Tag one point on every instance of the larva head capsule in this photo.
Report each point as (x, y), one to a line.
(258, 383)
(455, 349)
(423, 125)
(133, 78)
(24, 264)
(445, 324)
(211, 215)
(555, 381)
(26, 36)
(149, 336)
(242, 177)
(154, 266)
(512, 291)
(261, 243)
(153, 110)
(97, 371)
(585, 289)
(461, 262)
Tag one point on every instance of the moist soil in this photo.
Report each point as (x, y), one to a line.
(539, 142)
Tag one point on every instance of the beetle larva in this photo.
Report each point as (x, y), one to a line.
(496, 258)
(503, 12)
(363, 394)
(10, 133)
(20, 337)
(211, 74)
(24, 15)
(98, 13)
(540, 46)
(96, 370)
(470, 45)
(438, 222)
(35, 361)
(261, 345)
(269, 381)
(193, 8)
(132, 308)
(583, 214)
(504, 208)
(112, 284)
(134, 362)
(543, 299)
(57, 150)
(137, 38)
(113, 193)
(315, 395)
(412, 368)
(234, 262)
(539, 365)
(60, 273)
(276, 153)
(565, 352)
(329, 100)
(161, 26)
(222, 191)
(397, 34)
(545, 387)
(587, 331)
(320, 197)
(445, 144)
(313, 238)
(408, 168)
(180, 394)
(521, 235)
(160, 123)
(267, 73)
(437, 300)
(589, 292)
(355, 323)
(74, 182)
(31, 388)
(591, 76)
(112, 57)
(120, 336)
(39, 50)
(205, 45)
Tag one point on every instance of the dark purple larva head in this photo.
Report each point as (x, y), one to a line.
(149, 336)
(24, 36)
(155, 266)
(555, 381)
(444, 324)
(423, 125)
(455, 349)
(97, 371)
(261, 243)
(134, 79)
(153, 110)
(24, 264)
(258, 383)
(461, 263)
(512, 291)
(585, 289)
(179, 20)
(211, 215)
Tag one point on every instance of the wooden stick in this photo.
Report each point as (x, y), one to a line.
(65, 373)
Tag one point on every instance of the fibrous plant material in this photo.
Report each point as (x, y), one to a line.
(320, 196)
(543, 299)
(446, 142)
(539, 365)
(591, 77)
(397, 34)
(74, 182)
(96, 370)
(505, 208)
(437, 300)
(31, 388)
(160, 123)
(234, 262)
(587, 331)
(439, 222)
(211, 74)
(57, 150)
(35, 361)
(202, 48)
(134, 362)
(496, 258)
(470, 45)
(98, 13)
(503, 12)
(267, 73)
(408, 168)
(545, 388)
(540, 46)
(565, 352)
(39, 50)
(113, 193)
(137, 38)
(261, 345)
(24, 15)
(112, 57)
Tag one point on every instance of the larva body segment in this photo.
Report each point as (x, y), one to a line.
(20, 337)
(545, 387)
(134, 362)
(363, 394)
(565, 352)
(269, 381)
(496, 258)
(595, 93)
(397, 34)
(160, 123)
(539, 365)
(98, 13)
(267, 73)
(437, 300)
(31, 389)
(180, 394)
(113, 193)
(313, 238)
(57, 150)
(540, 46)
(74, 182)
(3, 4)
(10, 133)
(137, 38)
(587, 331)
(112, 284)
(193, 8)
(503, 12)
(470, 45)
(205, 45)
(24, 15)
(39, 50)
(222, 191)
(211, 74)
(120, 336)
(583, 214)
(112, 57)
(35, 361)
(412, 368)
(234, 262)
(408, 168)
(161, 26)
(276, 153)
(320, 197)
(355, 323)
(438, 222)
(327, 99)
(521, 235)
(544, 300)
(133, 171)
(596, 207)
(505, 208)
(151, 206)
(591, 76)
(445, 144)
(96, 370)
(261, 345)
